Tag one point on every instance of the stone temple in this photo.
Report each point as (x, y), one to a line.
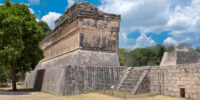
(85, 39)
(84, 36)
(82, 51)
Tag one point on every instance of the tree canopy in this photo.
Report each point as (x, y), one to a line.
(45, 27)
(20, 35)
(143, 56)
(150, 55)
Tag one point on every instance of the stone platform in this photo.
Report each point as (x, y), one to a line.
(80, 52)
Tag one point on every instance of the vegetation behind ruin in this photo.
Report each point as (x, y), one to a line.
(149, 56)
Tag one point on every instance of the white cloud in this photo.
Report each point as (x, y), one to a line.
(31, 10)
(184, 22)
(169, 41)
(50, 18)
(126, 42)
(144, 15)
(144, 41)
(70, 3)
(182, 19)
(34, 1)
(1, 4)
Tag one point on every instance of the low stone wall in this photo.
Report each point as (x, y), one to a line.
(179, 80)
(73, 79)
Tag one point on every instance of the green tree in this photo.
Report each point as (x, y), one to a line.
(3, 75)
(20, 36)
(197, 49)
(122, 56)
(169, 47)
(158, 51)
(184, 46)
(141, 57)
(45, 27)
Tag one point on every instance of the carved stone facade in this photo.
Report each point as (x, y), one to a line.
(80, 52)
(83, 27)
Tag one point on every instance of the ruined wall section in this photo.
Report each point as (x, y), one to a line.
(169, 58)
(188, 57)
(179, 57)
(75, 79)
(169, 80)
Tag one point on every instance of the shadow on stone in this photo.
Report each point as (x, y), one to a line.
(39, 80)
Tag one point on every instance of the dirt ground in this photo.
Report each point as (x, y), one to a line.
(29, 94)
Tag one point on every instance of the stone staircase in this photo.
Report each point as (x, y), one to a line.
(133, 80)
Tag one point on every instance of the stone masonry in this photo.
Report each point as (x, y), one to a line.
(182, 80)
(179, 57)
(171, 80)
(82, 51)
(84, 36)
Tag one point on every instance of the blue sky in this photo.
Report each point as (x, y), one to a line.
(144, 22)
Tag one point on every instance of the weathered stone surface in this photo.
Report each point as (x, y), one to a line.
(80, 52)
(136, 81)
(83, 27)
(75, 79)
(179, 57)
(84, 9)
(82, 58)
(168, 80)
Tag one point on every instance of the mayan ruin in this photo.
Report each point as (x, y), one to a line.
(84, 42)
(102, 50)
(92, 59)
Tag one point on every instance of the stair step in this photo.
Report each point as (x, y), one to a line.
(133, 80)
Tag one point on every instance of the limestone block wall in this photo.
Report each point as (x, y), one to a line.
(52, 80)
(74, 79)
(188, 57)
(170, 80)
(179, 57)
(87, 79)
(29, 79)
(169, 59)
(164, 80)
(82, 58)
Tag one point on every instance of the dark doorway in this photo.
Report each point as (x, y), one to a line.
(39, 79)
(182, 92)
